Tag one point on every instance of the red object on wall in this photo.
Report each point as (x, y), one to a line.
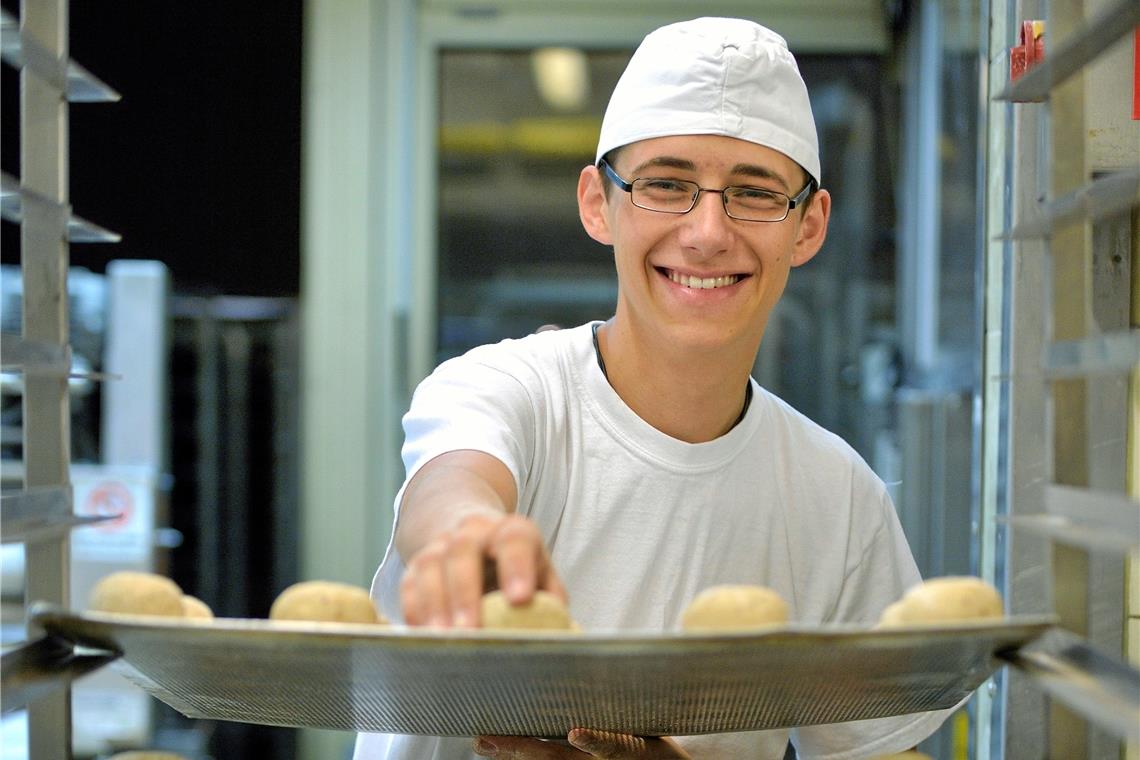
(1029, 52)
(1136, 74)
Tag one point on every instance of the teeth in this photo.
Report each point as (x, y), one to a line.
(703, 282)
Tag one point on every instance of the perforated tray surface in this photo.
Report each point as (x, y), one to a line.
(409, 681)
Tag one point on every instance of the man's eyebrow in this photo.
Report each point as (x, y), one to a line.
(759, 172)
(667, 162)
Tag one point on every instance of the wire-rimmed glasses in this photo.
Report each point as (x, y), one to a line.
(678, 196)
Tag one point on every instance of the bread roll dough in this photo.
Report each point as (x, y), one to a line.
(941, 600)
(325, 601)
(544, 611)
(134, 593)
(734, 608)
(193, 607)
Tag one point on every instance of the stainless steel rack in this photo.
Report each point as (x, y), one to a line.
(41, 514)
(1060, 272)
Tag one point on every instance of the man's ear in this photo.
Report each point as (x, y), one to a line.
(592, 205)
(812, 228)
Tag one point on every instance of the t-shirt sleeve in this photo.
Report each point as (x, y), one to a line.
(470, 405)
(882, 571)
(865, 738)
(881, 567)
(466, 404)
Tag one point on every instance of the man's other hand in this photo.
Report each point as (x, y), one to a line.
(584, 743)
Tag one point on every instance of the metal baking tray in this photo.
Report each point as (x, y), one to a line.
(451, 683)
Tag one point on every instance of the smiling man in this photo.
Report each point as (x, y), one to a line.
(699, 275)
(627, 465)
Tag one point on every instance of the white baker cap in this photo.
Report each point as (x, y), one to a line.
(714, 76)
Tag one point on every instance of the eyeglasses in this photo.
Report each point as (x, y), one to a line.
(679, 196)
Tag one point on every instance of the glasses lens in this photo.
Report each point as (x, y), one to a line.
(756, 204)
(662, 194)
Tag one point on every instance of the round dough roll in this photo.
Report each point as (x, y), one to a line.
(734, 608)
(544, 611)
(942, 600)
(325, 601)
(193, 607)
(134, 593)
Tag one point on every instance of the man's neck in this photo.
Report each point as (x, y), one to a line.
(693, 396)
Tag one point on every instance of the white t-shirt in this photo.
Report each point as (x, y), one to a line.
(777, 501)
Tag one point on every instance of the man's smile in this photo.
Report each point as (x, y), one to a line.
(701, 283)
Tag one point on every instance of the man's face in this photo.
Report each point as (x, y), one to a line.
(702, 280)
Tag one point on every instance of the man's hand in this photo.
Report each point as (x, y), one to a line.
(584, 743)
(445, 580)
(457, 529)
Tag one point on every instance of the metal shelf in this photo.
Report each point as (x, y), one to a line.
(1110, 353)
(1074, 51)
(1075, 533)
(79, 230)
(1086, 519)
(40, 359)
(80, 85)
(41, 513)
(1104, 197)
(33, 356)
(36, 669)
(1103, 690)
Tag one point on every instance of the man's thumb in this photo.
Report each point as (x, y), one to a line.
(607, 744)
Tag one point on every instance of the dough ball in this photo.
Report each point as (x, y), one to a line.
(544, 611)
(893, 615)
(325, 601)
(734, 608)
(147, 755)
(193, 607)
(134, 593)
(944, 600)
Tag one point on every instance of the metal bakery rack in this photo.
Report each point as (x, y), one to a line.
(40, 514)
(397, 680)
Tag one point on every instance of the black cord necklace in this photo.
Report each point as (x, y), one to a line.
(602, 367)
(598, 353)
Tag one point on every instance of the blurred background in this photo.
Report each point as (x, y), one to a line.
(301, 208)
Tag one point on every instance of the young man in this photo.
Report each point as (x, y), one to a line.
(630, 464)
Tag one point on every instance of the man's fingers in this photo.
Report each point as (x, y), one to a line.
(523, 748)
(608, 745)
(464, 578)
(444, 581)
(516, 547)
(409, 603)
(424, 589)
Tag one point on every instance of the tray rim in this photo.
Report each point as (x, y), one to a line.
(62, 622)
(986, 644)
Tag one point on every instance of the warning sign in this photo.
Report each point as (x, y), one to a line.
(110, 498)
(124, 491)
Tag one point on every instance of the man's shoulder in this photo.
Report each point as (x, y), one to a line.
(782, 416)
(536, 346)
(808, 441)
(541, 358)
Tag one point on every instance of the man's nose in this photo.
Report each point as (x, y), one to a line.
(710, 226)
